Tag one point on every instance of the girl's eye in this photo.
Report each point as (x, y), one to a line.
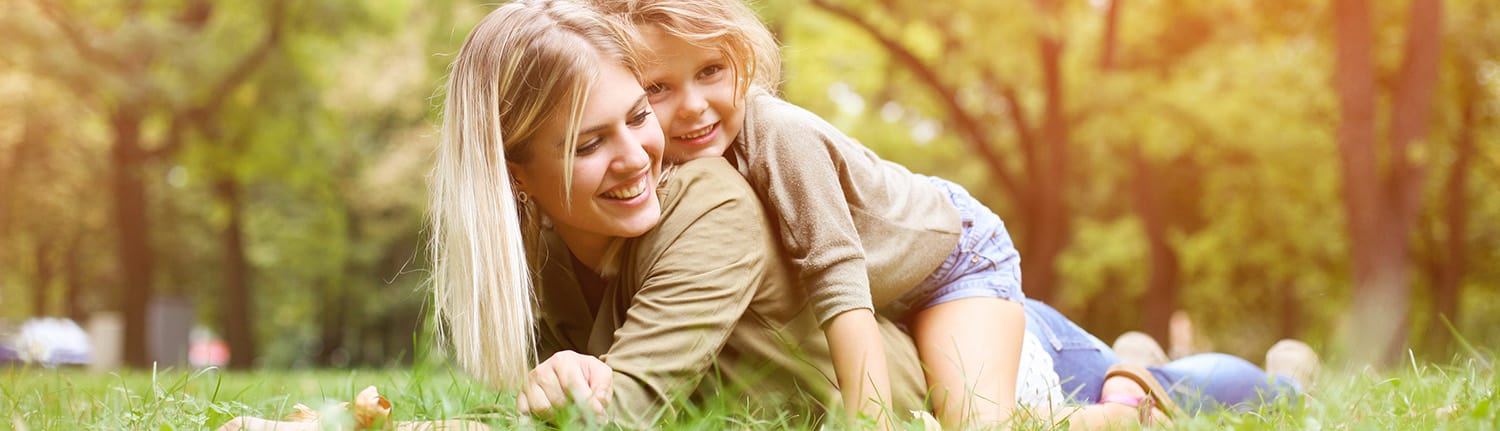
(639, 118)
(711, 70)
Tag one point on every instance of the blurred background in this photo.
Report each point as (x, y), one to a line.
(243, 182)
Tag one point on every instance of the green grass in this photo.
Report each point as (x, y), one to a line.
(1417, 396)
(45, 399)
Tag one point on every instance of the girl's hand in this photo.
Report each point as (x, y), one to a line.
(567, 378)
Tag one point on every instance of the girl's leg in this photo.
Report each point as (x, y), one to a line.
(967, 319)
(971, 349)
(1081, 361)
(1212, 381)
(1107, 416)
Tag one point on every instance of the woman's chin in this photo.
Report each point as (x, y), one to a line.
(640, 225)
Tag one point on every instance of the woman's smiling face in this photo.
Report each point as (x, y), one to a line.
(615, 165)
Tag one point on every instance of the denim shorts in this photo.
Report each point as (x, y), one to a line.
(984, 264)
(1080, 358)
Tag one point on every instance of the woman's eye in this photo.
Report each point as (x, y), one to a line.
(586, 147)
(654, 89)
(639, 118)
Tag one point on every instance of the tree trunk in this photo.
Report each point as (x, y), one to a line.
(1448, 278)
(336, 301)
(74, 274)
(1049, 222)
(333, 320)
(22, 156)
(133, 252)
(1107, 55)
(1291, 310)
(1160, 299)
(1411, 114)
(1370, 327)
(237, 302)
(1381, 208)
(41, 252)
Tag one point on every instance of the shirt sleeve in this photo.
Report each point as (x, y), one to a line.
(693, 295)
(802, 179)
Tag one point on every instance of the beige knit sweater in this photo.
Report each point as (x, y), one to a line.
(860, 231)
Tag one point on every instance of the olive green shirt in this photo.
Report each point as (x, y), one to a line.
(704, 307)
(860, 231)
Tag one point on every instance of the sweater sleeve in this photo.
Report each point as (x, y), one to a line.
(696, 288)
(801, 178)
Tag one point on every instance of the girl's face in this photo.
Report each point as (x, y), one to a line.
(692, 89)
(615, 166)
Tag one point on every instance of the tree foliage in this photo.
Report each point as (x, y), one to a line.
(1202, 147)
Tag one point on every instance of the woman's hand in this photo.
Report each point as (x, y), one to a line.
(567, 378)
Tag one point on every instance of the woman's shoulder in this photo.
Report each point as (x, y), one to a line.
(710, 179)
(707, 190)
(706, 208)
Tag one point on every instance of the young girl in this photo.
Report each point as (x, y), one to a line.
(864, 234)
(868, 235)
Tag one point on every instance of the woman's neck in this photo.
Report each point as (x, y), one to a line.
(587, 247)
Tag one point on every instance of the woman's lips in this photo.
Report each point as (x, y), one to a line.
(629, 190)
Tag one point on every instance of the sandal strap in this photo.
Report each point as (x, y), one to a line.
(1160, 397)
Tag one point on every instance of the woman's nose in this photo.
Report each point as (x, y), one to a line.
(632, 156)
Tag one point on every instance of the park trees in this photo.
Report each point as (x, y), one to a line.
(1196, 163)
(220, 151)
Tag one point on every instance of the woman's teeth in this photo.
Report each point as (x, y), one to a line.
(628, 192)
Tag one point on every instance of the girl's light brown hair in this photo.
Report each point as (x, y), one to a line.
(524, 64)
(727, 25)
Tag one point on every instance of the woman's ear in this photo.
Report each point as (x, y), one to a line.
(517, 176)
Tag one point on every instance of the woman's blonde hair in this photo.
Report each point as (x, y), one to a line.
(727, 25)
(524, 64)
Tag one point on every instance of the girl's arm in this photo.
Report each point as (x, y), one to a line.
(854, 341)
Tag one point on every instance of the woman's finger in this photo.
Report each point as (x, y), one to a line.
(537, 403)
(548, 384)
(573, 378)
(599, 374)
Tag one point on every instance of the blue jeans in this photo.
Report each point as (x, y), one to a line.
(984, 263)
(1203, 382)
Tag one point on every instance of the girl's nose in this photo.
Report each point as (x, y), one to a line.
(693, 103)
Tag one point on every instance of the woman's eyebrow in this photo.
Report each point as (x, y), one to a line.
(639, 103)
